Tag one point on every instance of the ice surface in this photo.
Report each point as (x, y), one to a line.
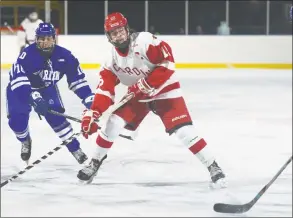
(244, 115)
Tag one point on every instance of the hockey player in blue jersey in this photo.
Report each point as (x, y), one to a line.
(33, 83)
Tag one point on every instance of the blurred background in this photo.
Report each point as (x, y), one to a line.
(186, 17)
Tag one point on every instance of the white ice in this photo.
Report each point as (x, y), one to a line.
(244, 115)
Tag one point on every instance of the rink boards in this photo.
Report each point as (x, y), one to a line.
(190, 52)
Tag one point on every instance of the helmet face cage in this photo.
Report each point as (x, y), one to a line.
(115, 26)
(33, 16)
(118, 41)
(45, 37)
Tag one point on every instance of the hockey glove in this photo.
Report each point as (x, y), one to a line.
(141, 89)
(87, 102)
(39, 104)
(88, 124)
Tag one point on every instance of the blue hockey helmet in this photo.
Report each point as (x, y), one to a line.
(45, 37)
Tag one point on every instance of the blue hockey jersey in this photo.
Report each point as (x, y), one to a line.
(33, 72)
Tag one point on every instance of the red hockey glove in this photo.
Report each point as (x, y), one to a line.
(88, 124)
(141, 89)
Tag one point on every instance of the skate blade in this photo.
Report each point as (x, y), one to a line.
(83, 182)
(220, 184)
(91, 179)
(27, 162)
(88, 181)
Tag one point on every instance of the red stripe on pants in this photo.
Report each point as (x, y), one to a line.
(103, 143)
(198, 146)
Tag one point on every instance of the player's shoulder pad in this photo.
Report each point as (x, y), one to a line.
(107, 58)
(63, 52)
(146, 37)
(61, 49)
(24, 23)
(30, 59)
(28, 54)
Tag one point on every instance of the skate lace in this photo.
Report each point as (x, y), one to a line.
(91, 168)
(25, 148)
(215, 170)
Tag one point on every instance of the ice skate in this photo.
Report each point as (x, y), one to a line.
(217, 176)
(26, 148)
(80, 156)
(90, 171)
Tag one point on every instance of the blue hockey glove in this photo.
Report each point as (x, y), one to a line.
(40, 105)
(87, 102)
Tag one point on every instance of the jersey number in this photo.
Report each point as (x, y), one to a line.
(165, 51)
(22, 56)
(101, 82)
(79, 70)
(15, 69)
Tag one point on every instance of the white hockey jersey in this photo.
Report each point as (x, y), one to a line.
(147, 57)
(27, 32)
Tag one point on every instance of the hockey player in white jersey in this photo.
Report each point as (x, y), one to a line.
(26, 31)
(146, 65)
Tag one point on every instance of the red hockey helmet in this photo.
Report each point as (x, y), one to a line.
(117, 30)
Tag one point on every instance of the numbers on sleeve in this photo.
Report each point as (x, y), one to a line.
(11, 73)
(79, 70)
(17, 68)
(165, 51)
(101, 82)
(22, 56)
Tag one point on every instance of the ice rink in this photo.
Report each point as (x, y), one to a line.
(244, 115)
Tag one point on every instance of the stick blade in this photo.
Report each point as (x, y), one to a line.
(231, 208)
(4, 183)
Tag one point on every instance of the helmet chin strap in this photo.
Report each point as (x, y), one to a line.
(123, 45)
(46, 52)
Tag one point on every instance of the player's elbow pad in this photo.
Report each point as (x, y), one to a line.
(101, 103)
(159, 76)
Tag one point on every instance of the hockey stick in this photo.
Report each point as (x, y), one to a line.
(79, 121)
(242, 208)
(66, 116)
(9, 27)
(121, 103)
(40, 159)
